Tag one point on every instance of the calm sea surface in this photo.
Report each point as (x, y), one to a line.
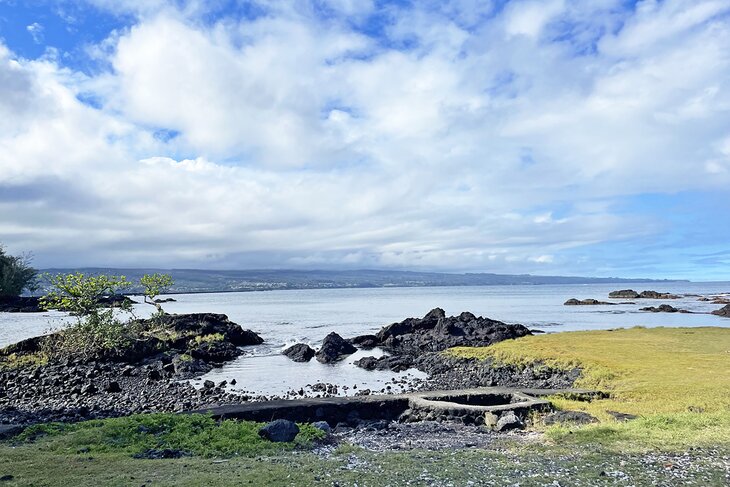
(283, 318)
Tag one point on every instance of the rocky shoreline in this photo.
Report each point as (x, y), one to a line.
(151, 375)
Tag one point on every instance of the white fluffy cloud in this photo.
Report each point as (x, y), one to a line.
(460, 138)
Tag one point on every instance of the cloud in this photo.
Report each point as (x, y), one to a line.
(438, 135)
(36, 32)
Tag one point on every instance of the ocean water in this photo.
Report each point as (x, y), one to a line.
(283, 318)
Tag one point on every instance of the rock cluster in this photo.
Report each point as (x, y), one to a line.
(585, 302)
(207, 337)
(664, 308)
(450, 372)
(143, 377)
(77, 391)
(334, 348)
(436, 332)
(631, 294)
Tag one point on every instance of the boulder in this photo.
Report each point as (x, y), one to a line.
(436, 332)
(367, 363)
(509, 421)
(301, 352)
(724, 311)
(624, 293)
(574, 417)
(397, 363)
(334, 348)
(323, 425)
(365, 341)
(280, 431)
(214, 351)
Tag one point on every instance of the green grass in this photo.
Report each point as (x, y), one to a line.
(676, 380)
(535, 465)
(195, 434)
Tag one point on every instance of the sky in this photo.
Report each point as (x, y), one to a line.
(584, 137)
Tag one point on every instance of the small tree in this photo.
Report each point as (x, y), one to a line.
(154, 285)
(82, 295)
(16, 274)
(97, 329)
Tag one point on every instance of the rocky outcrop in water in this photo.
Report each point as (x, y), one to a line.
(19, 304)
(624, 294)
(724, 311)
(301, 352)
(143, 377)
(585, 302)
(334, 348)
(209, 337)
(435, 332)
(631, 294)
(664, 308)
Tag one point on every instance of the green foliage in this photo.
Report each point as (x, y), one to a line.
(215, 337)
(82, 294)
(97, 329)
(154, 285)
(16, 274)
(195, 434)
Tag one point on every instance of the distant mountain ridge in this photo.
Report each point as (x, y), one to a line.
(205, 281)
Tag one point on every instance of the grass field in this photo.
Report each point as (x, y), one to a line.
(677, 380)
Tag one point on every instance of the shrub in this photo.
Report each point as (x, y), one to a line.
(96, 330)
(16, 274)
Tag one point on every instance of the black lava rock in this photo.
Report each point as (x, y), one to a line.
(724, 311)
(301, 352)
(436, 332)
(280, 431)
(334, 348)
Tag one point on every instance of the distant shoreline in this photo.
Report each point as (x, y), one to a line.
(198, 281)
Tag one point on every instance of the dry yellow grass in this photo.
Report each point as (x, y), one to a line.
(676, 379)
